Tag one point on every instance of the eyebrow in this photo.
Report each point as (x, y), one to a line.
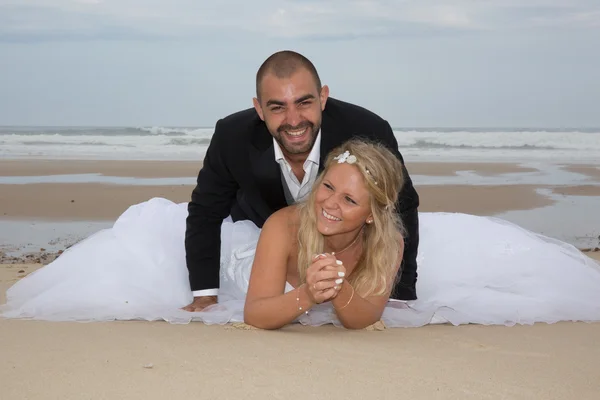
(297, 101)
(344, 193)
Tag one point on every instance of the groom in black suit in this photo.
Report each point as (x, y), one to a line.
(267, 157)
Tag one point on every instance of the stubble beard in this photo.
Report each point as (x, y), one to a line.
(290, 148)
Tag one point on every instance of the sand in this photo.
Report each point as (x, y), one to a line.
(578, 190)
(156, 360)
(151, 361)
(480, 200)
(140, 169)
(166, 169)
(102, 201)
(87, 201)
(94, 201)
(451, 169)
(592, 171)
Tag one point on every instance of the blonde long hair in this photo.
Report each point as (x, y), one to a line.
(382, 174)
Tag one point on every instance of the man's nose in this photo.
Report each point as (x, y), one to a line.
(293, 116)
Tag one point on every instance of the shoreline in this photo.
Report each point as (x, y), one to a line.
(36, 215)
(190, 168)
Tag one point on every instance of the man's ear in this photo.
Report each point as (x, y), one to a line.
(324, 96)
(258, 108)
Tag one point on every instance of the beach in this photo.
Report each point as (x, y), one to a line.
(47, 205)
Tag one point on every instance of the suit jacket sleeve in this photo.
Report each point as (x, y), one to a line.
(407, 207)
(210, 204)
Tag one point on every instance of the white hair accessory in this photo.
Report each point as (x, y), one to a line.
(348, 158)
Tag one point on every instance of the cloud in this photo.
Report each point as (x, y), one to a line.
(138, 19)
(43, 23)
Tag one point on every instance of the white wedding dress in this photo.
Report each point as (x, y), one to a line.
(471, 270)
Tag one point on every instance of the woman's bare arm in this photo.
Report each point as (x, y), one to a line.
(267, 306)
(356, 312)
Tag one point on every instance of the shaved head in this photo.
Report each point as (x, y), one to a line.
(284, 64)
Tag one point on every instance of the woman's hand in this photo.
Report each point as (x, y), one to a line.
(324, 278)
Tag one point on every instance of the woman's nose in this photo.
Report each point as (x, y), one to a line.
(331, 201)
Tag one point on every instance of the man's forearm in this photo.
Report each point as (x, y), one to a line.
(203, 249)
(210, 204)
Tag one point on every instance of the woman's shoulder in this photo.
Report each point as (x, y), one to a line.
(286, 218)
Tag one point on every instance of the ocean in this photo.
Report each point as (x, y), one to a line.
(190, 143)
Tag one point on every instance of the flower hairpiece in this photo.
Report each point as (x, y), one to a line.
(346, 157)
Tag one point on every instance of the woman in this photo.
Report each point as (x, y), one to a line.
(349, 218)
(471, 269)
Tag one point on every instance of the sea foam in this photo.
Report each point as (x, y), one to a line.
(190, 143)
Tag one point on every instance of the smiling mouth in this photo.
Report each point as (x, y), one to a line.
(296, 132)
(329, 216)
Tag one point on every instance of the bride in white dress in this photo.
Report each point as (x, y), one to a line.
(472, 269)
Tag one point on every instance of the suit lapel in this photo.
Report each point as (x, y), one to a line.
(266, 171)
(330, 138)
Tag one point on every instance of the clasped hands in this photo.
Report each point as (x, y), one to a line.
(324, 278)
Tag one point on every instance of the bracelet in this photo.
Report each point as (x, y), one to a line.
(298, 300)
(351, 296)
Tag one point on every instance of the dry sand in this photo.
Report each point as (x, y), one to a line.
(151, 361)
(156, 361)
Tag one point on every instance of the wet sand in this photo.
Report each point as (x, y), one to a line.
(579, 190)
(80, 201)
(166, 169)
(450, 169)
(592, 171)
(106, 202)
(139, 169)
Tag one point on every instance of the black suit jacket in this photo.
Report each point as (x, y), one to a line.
(241, 178)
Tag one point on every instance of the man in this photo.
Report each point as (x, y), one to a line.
(267, 157)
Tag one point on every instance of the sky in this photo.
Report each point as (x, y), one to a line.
(419, 63)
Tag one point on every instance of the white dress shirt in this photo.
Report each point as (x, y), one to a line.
(299, 190)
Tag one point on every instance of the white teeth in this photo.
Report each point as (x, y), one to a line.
(330, 217)
(296, 133)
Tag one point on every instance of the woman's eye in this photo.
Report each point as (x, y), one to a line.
(348, 199)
